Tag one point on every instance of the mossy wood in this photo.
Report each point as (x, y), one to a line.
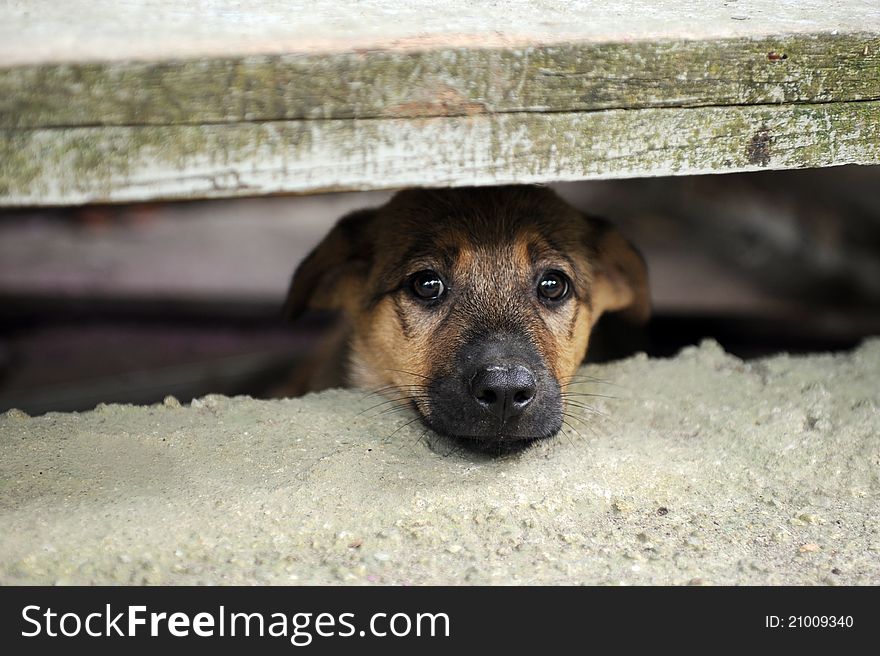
(268, 99)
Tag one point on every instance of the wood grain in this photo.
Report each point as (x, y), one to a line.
(113, 101)
(116, 164)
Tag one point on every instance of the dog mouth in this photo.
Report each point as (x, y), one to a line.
(504, 435)
(546, 423)
(484, 446)
(455, 435)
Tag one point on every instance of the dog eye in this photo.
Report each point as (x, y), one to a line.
(427, 285)
(553, 286)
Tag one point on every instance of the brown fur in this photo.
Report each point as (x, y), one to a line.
(491, 244)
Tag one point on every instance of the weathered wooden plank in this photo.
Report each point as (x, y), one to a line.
(75, 31)
(113, 100)
(446, 82)
(79, 165)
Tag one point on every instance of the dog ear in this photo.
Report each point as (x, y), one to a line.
(333, 275)
(620, 281)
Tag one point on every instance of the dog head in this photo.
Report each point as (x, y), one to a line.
(474, 304)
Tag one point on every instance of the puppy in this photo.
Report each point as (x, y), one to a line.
(474, 305)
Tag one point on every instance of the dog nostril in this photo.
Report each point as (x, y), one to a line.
(505, 391)
(488, 386)
(523, 387)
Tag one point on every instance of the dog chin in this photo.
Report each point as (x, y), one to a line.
(497, 445)
(470, 435)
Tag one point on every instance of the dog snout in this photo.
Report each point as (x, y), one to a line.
(499, 389)
(504, 390)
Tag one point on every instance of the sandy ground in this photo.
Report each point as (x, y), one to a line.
(702, 469)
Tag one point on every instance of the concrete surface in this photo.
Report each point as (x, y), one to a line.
(702, 469)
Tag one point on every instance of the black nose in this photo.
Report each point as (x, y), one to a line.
(505, 391)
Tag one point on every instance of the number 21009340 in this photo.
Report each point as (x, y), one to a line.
(808, 622)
